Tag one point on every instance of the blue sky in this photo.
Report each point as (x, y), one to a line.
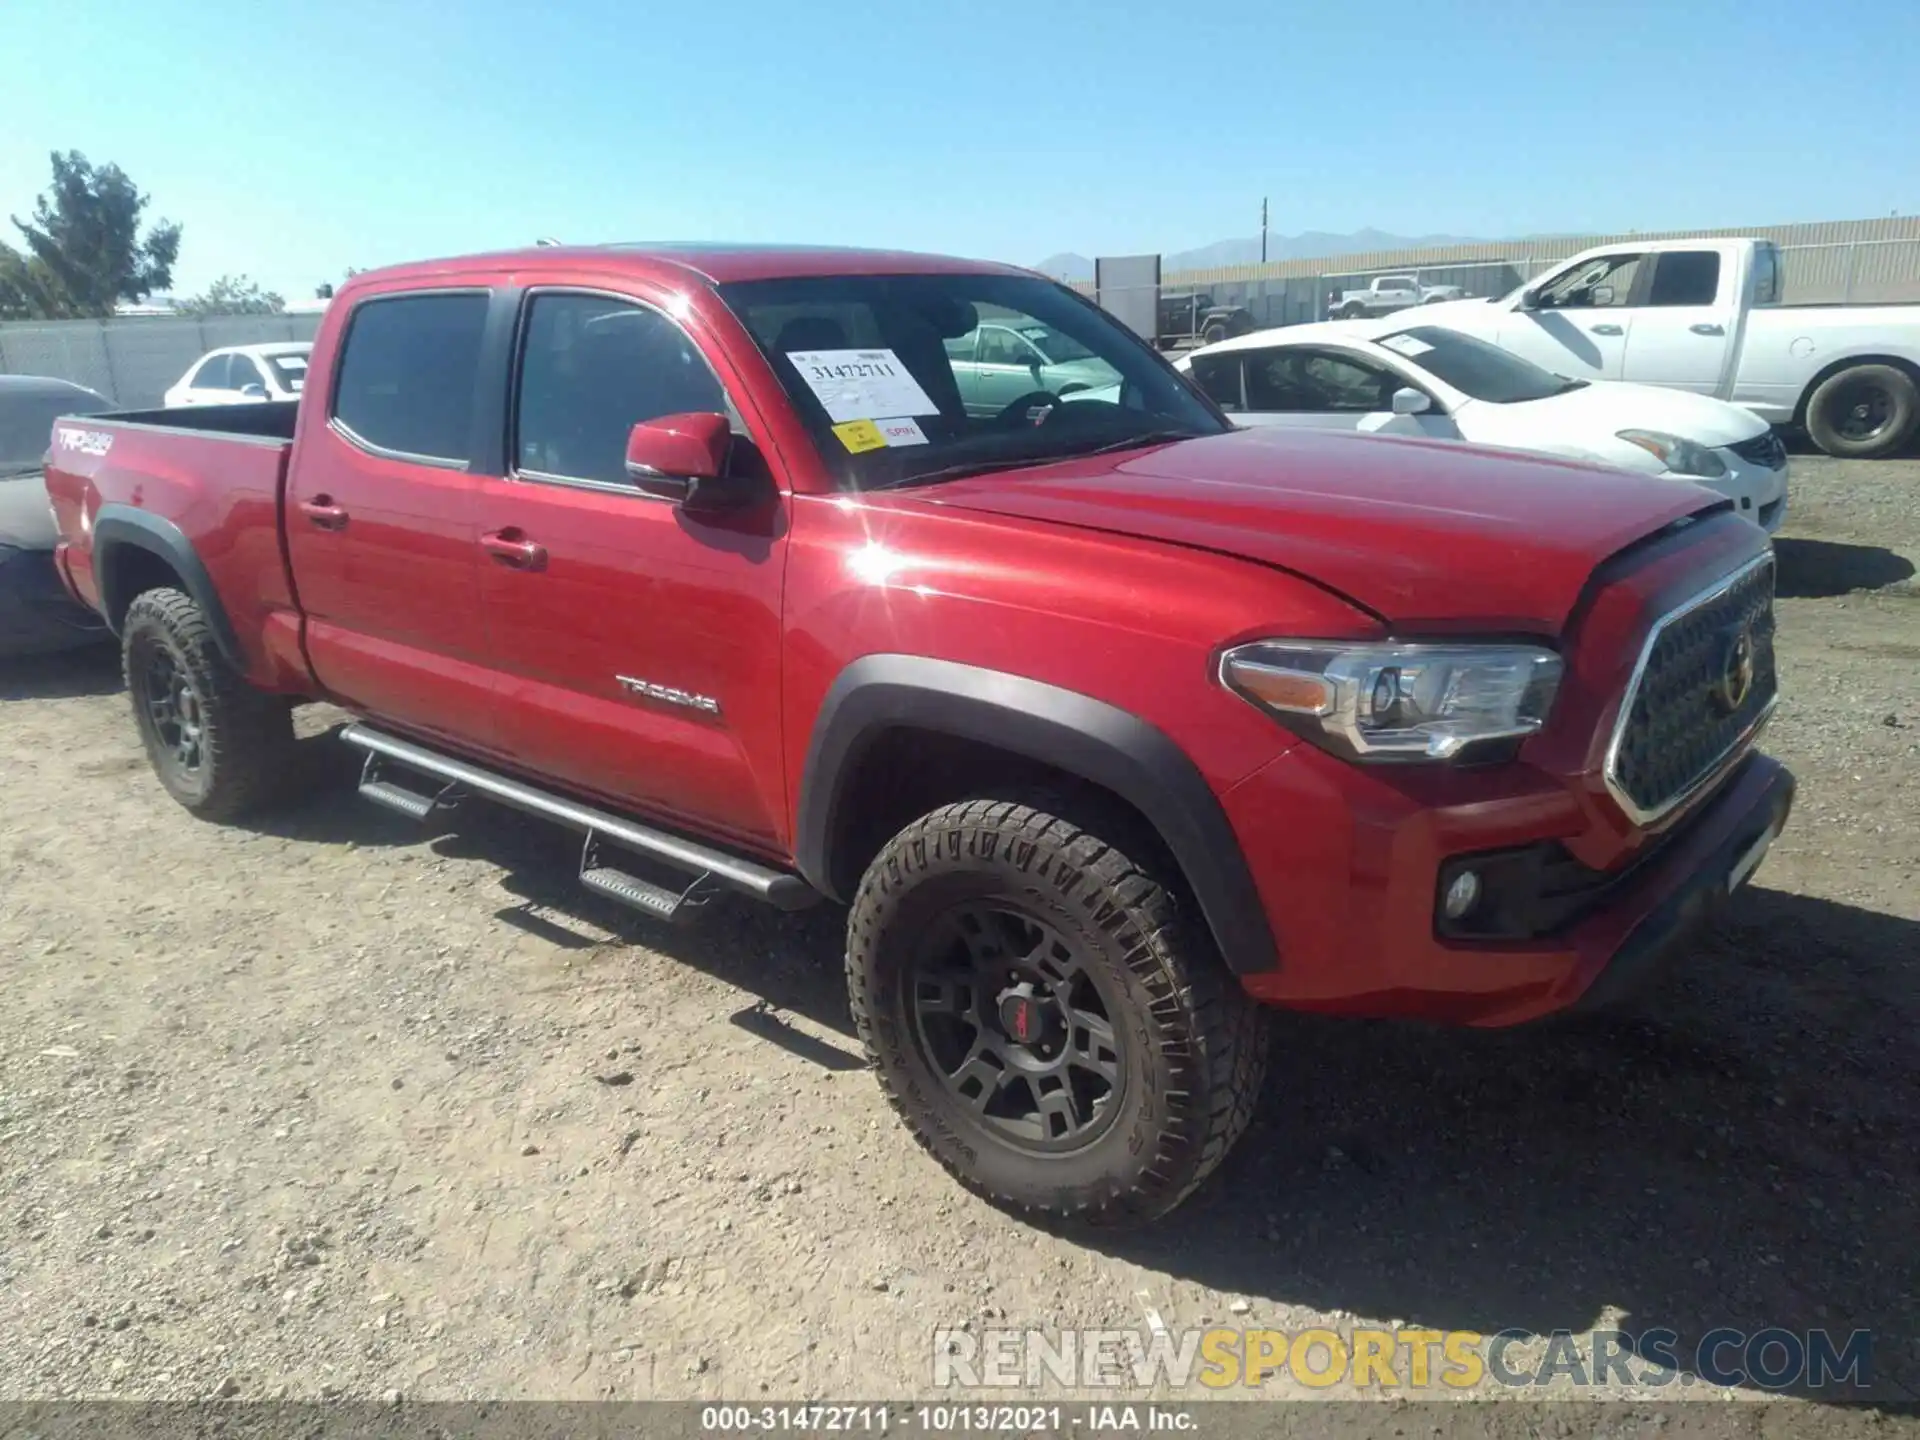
(293, 139)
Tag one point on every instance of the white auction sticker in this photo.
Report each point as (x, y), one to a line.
(1408, 345)
(861, 384)
(904, 431)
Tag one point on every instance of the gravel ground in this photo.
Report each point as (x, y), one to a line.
(337, 1107)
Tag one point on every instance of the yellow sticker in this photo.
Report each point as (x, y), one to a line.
(858, 435)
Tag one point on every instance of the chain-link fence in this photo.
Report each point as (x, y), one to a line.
(1852, 272)
(132, 361)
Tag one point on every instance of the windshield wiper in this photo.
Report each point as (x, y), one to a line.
(1025, 462)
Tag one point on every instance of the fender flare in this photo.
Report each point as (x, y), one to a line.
(1075, 733)
(119, 525)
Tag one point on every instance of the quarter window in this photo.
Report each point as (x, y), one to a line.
(408, 373)
(590, 370)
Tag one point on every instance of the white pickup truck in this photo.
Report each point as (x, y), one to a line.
(1387, 294)
(1703, 315)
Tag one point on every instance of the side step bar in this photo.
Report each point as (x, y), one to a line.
(703, 866)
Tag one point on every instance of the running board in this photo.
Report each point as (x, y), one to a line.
(706, 866)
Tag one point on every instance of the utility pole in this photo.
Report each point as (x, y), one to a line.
(1263, 229)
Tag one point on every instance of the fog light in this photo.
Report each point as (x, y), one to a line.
(1461, 895)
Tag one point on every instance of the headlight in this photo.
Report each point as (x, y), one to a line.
(1397, 702)
(1682, 457)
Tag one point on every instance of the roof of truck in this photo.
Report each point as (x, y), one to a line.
(716, 262)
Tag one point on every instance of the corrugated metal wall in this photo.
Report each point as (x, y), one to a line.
(1857, 261)
(133, 360)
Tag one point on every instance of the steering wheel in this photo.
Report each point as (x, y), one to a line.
(1015, 410)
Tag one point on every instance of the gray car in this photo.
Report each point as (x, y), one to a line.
(36, 613)
(1001, 360)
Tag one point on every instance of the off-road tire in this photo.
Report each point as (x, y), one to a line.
(246, 745)
(1829, 401)
(1197, 1044)
(1214, 332)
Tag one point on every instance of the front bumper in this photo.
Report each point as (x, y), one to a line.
(1348, 860)
(37, 614)
(1759, 494)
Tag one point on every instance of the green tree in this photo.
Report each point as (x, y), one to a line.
(233, 295)
(84, 251)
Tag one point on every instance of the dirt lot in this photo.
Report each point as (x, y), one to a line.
(335, 1106)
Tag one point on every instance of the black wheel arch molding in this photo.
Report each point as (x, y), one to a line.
(116, 527)
(1077, 734)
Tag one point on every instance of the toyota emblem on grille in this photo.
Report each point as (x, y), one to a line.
(1734, 682)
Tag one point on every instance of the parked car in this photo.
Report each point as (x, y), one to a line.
(1388, 293)
(996, 363)
(1703, 315)
(37, 614)
(1109, 722)
(239, 374)
(1190, 315)
(1402, 376)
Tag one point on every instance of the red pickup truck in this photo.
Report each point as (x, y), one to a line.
(1109, 723)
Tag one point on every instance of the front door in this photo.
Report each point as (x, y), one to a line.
(380, 520)
(636, 645)
(1580, 320)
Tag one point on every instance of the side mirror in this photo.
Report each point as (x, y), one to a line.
(1408, 401)
(254, 390)
(683, 458)
(1600, 295)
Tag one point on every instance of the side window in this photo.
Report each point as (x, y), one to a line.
(1317, 382)
(1606, 283)
(1685, 277)
(245, 373)
(212, 374)
(1219, 377)
(590, 370)
(960, 347)
(408, 371)
(1000, 346)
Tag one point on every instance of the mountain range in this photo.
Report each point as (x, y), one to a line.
(1306, 246)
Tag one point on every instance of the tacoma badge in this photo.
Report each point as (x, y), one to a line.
(667, 695)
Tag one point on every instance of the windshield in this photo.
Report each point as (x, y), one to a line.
(26, 423)
(867, 363)
(1475, 368)
(289, 370)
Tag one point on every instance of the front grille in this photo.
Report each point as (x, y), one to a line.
(1766, 449)
(1684, 714)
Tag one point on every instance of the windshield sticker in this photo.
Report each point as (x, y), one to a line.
(861, 384)
(904, 431)
(1407, 345)
(859, 435)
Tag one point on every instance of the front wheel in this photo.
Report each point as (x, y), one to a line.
(1863, 413)
(1043, 1020)
(219, 746)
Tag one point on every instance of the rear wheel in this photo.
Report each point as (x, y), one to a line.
(219, 746)
(1863, 413)
(1042, 1019)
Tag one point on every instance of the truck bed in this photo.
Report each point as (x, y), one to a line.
(265, 420)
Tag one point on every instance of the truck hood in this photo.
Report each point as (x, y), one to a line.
(1428, 535)
(1592, 416)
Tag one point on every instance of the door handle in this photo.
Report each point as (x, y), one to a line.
(324, 513)
(1606, 330)
(1707, 328)
(511, 547)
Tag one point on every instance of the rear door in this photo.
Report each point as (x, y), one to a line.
(637, 645)
(380, 514)
(1684, 321)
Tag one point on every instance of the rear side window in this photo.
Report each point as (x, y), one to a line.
(1685, 277)
(1766, 275)
(590, 370)
(212, 374)
(407, 374)
(1219, 377)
